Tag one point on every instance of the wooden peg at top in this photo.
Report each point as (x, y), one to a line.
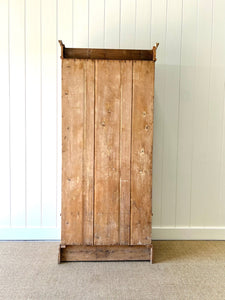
(62, 49)
(154, 51)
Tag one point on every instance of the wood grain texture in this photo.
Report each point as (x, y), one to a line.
(72, 151)
(125, 150)
(105, 253)
(88, 153)
(77, 151)
(111, 54)
(107, 152)
(141, 157)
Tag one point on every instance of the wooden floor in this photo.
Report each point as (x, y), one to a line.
(181, 270)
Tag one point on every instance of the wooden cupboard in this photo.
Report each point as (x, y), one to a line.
(107, 135)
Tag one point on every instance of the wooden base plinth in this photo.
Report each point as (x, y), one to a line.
(104, 253)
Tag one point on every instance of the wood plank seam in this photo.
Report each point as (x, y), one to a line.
(84, 148)
(120, 119)
(95, 62)
(131, 137)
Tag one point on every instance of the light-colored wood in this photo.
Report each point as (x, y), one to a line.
(78, 151)
(107, 135)
(72, 151)
(125, 150)
(107, 152)
(104, 253)
(88, 153)
(111, 54)
(141, 152)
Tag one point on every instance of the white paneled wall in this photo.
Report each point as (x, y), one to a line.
(189, 122)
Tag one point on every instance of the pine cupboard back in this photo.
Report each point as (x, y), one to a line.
(107, 135)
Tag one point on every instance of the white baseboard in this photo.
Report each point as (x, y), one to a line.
(158, 233)
(30, 233)
(188, 233)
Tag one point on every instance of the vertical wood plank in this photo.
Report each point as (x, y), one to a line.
(141, 152)
(80, 23)
(33, 113)
(143, 24)
(72, 151)
(200, 118)
(49, 46)
(17, 113)
(127, 24)
(171, 115)
(4, 117)
(185, 130)
(112, 24)
(158, 34)
(107, 154)
(88, 156)
(125, 150)
(96, 24)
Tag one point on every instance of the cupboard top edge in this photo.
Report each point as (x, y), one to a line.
(111, 54)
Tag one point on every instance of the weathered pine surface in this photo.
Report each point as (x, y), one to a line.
(107, 135)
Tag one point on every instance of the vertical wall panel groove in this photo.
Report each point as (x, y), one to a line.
(199, 162)
(127, 24)
(5, 206)
(49, 52)
(58, 148)
(143, 25)
(17, 111)
(80, 23)
(179, 104)
(209, 170)
(41, 170)
(193, 113)
(25, 100)
(96, 23)
(112, 24)
(33, 117)
(185, 128)
(215, 120)
(10, 177)
(158, 33)
(171, 112)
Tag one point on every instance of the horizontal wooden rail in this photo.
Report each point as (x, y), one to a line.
(111, 54)
(104, 253)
